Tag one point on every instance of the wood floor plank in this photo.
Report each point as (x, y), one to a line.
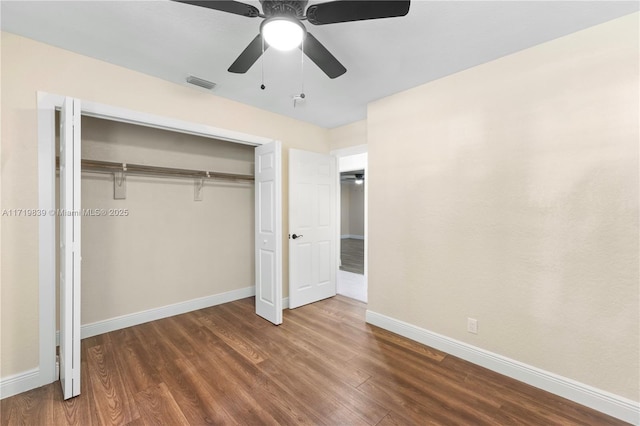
(245, 314)
(33, 408)
(133, 363)
(190, 390)
(326, 404)
(253, 383)
(324, 365)
(228, 331)
(74, 411)
(409, 411)
(517, 394)
(157, 407)
(305, 337)
(160, 352)
(427, 386)
(114, 404)
(281, 343)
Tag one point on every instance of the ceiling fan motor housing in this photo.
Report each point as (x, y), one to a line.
(284, 7)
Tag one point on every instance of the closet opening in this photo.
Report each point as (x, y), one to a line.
(156, 230)
(194, 252)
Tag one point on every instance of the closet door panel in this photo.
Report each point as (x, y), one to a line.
(268, 228)
(70, 213)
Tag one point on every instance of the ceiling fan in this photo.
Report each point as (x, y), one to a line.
(282, 27)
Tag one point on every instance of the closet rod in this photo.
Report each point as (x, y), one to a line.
(140, 169)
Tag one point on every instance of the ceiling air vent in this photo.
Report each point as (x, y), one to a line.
(200, 82)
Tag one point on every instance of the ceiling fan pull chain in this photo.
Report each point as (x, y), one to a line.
(302, 69)
(262, 86)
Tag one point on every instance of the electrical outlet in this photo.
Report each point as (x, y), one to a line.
(472, 325)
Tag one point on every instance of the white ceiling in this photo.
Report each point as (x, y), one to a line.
(170, 40)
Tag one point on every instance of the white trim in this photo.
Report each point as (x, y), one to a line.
(285, 303)
(605, 402)
(351, 236)
(18, 383)
(137, 318)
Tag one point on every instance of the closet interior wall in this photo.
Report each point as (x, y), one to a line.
(169, 248)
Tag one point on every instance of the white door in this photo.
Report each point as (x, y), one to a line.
(312, 227)
(70, 213)
(268, 245)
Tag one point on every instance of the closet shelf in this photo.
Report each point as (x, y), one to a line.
(141, 169)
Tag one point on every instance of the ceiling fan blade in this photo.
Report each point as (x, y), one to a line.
(354, 10)
(248, 56)
(235, 7)
(322, 57)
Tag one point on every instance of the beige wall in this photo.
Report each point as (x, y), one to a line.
(349, 135)
(29, 66)
(345, 202)
(509, 193)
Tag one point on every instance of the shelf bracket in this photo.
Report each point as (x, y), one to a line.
(198, 184)
(120, 183)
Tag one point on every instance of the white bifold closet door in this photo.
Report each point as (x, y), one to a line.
(70, 213)
(312, 222)
(268, 231)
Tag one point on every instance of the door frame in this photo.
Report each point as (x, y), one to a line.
(350, 159)
(47, 105)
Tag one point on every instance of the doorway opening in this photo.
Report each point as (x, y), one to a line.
(352, 185)
(351, 282)
(352, 272)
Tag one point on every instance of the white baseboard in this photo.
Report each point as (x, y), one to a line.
(124, 321)
(285, 303)
(18, 383)
(351, 236)
(129, 320)
(605, 402)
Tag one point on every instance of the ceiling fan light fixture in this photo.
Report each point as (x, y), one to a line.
(282, 33)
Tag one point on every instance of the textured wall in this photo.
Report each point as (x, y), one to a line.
(23, 74)
(509, 193)
(349, 135)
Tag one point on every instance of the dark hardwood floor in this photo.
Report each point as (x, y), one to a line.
(352, 255)
(324, 365)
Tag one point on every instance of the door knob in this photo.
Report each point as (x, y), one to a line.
(295, 237)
